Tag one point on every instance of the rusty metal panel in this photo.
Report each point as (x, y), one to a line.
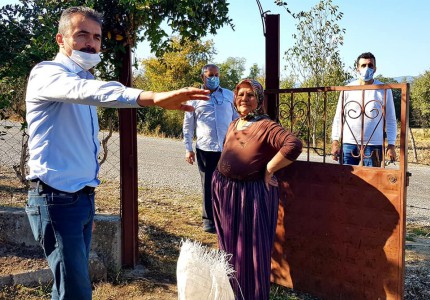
(340, 232)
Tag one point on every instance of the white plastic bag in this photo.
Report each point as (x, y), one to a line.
(203, 273)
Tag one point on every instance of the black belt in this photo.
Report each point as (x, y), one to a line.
(44, 188)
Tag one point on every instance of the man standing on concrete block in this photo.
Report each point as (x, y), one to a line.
(63, 145)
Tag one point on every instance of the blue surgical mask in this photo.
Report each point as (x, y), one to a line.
(212, 82)
(366, 74)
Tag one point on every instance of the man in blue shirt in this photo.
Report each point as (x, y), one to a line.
(210, 121)
(63, 145)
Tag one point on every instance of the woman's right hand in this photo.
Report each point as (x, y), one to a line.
(270, 179)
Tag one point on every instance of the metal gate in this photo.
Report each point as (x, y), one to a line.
(341, 228)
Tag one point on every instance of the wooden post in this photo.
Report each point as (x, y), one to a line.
(272, 64)
(128, 171)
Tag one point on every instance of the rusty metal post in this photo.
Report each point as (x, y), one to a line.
(128, 172)
(272, 64)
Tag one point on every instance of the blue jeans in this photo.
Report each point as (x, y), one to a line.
(351, 155)
(62, 224)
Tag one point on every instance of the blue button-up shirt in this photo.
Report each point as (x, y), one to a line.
(209, 120)
(62, 122)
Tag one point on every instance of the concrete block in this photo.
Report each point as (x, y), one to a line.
(33, 278)
(14, 226)
(106, 242)
(98, 270)
(6, 280)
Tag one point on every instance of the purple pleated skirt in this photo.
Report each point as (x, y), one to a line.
(245, 215)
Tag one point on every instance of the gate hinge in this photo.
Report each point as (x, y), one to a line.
(408, 174)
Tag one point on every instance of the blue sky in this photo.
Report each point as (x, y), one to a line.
(395, 31)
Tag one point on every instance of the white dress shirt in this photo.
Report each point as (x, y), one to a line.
(62, 122)
(372, 122)
(209, 121)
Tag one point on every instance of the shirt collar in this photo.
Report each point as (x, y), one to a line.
(68, 63)
(218, 89)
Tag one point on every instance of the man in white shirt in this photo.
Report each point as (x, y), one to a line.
(63, 145)
(210, 121)
(363, 117)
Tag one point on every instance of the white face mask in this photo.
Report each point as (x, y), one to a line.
(85, 60)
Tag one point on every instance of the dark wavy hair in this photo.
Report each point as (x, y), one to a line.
(365, 55)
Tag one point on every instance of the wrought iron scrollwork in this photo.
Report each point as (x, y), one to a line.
(354, 110)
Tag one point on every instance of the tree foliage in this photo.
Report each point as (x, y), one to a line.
(180, 66)
(420, 100)
(314, 59)
(231, 71)
(29, 28)
(397, 94)
(176, 68)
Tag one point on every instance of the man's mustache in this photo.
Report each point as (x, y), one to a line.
(88, 50)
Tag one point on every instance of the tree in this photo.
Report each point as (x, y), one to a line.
(254, 71)
(397, 98)
(231, 71)
(314, 59)
(420, 100)
(28, 37)
(397, 94)
(178, 67)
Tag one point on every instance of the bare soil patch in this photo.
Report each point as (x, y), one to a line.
(15, 259)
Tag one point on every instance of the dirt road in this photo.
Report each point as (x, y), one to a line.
(161, 162)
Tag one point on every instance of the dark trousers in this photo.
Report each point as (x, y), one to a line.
(207, 162)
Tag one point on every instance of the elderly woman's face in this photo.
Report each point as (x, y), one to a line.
(246, 100)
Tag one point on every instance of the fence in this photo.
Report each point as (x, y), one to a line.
(14, 155)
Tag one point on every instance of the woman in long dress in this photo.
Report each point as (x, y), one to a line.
(245, 193)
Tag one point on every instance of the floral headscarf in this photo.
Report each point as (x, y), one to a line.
(258, 113)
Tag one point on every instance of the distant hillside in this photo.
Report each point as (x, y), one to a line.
(408, 78)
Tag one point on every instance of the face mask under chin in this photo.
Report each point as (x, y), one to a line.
(85, 60)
